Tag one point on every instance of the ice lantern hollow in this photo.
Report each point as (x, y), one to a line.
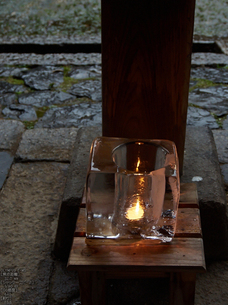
(132, 189)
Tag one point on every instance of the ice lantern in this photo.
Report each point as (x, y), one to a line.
(132, 189)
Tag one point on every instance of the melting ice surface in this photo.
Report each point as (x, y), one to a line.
(109, 190)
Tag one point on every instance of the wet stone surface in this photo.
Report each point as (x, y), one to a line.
(6, 87)
(10, 134)
(8, 99)
(209, 59)
(6, 161)
(21, 112)
(43, 78)
(224, 170)
(44, 98)
(55, 96)
(11, 71)
(215, 75)
(88, 88)
(200, 117)
(225, 124)
(45, 88)
(83, 72)
(85, 114)
(50, 59)
(221, 140)
(213, 99)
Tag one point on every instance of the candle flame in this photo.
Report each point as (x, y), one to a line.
(137, 165)
(135, 212)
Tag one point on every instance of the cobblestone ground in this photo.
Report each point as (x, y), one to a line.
(69, 95)
(54, 96)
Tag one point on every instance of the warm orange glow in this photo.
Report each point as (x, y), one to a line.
(137, 166)
(136, 212)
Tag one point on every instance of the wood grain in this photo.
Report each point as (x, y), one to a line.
(146, 58)
(188, 195)
(183, 254)
(92, 287)
(188, 223)
(182, 288)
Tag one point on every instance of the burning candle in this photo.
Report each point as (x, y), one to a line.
(135, 212)
(137, 166)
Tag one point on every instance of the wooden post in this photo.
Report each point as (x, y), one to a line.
(182, 288)
(92, 287)
(146, 61)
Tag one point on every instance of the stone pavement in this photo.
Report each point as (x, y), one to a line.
(46, 110)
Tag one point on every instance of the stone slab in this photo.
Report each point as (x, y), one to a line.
(201, 160)
(72, 196)
(225, 124)
(209, 59)
(52, 39)
(64, 285)
(50, 59)
(6, 161)
(10, 134)
(224, 170)
(223, 44)
(29, 203)
(47, 144)
(221, 141)
(79, 163)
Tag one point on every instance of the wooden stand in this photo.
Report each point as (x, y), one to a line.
(97, 260)
(146, 61)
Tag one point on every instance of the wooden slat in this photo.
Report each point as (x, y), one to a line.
(188, 223)
(185, 254)
(83, 203)
(81, 223)
(182, 288)
(188, 196)
(92, 287)
(127, 274)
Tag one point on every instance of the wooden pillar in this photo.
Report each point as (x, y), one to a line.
(92, 287)
(146, 61)
(182, 288)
